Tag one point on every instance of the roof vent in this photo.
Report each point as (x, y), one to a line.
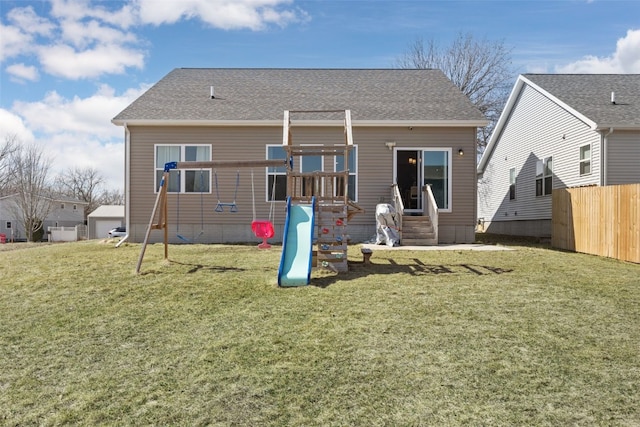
(213, 94)
(613, 97)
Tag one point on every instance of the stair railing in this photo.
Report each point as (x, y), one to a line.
(398, 204)
(431, 207)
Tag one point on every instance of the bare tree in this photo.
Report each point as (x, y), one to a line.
(480, 68)
(7, 148)
(31, 186)
(85, 184)
(111, 197)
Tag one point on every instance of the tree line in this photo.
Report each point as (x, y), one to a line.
(25, 174)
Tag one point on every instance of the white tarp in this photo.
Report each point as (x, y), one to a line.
(386, 225)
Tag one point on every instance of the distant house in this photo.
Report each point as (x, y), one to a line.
(557, 131)
(63, 212)
(410, 127)
(103, 219)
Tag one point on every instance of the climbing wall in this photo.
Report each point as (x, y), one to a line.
(332, 238)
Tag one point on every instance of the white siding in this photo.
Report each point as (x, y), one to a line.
(537, 128)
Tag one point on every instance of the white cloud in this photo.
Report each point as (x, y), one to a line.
(77, 10)
(26, 19)
(13, 125)
(75, 131)
(83, 34)
(625, 59)
(223, 14)
(13, 41)
(22, 72)
(65, 61)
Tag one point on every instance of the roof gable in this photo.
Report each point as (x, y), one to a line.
(261, 95)
(586, 96)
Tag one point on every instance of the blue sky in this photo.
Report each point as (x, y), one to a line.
(68, 66)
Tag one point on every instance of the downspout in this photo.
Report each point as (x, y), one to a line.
(127, 204)
(603, 157)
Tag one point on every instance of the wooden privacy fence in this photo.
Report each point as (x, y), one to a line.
(601, 221)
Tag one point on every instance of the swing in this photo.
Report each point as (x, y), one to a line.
(232, 206)
(262, 228)
(178, 235)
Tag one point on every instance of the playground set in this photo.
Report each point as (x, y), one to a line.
(318, 206)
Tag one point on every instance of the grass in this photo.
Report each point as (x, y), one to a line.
(531, 336)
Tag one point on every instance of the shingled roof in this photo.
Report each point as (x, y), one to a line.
(590, 95)
(587, 96)
(261, 95)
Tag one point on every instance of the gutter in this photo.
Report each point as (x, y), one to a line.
(127, 204)
(278, 123)
(603, 156)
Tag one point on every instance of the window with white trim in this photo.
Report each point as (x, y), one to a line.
(585, 159)
(512, 184)
(184, 180)
(276, 175)
(436, 171)
(310, 164)
(544, 176)
(352, 166)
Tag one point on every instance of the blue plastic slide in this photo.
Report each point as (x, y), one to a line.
(297, 244)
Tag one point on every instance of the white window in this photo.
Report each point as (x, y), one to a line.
(544, 176)
(308, 164)
(61, 205)
(75, 207)
(352, 186)
(276, 175)
(437, 173)
(512, 184)
(184, 180)
(585, 159)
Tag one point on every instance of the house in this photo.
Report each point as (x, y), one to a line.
(410, 127)
(103, 219)
(557, 131)
(60, 211)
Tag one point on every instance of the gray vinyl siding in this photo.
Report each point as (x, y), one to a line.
(623, 157)
(375, 170)
(536, 129)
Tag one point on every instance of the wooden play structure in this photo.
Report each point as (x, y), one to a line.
(333, 208)
(325, 191)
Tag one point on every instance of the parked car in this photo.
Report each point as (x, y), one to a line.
(118, 232)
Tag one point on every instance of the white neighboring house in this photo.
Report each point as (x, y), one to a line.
(103, 219)
(557, 131)
(64, 212)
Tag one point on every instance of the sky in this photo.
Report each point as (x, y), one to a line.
(67, 67)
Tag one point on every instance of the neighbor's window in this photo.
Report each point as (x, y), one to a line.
(62, 206)
(544, 176)
(276, 175)
(353, 174)
(512, 184)
(184, 180)
(8, 224)
(585, 159)
(75, 207)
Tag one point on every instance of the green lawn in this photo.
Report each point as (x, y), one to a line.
(531, 336)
